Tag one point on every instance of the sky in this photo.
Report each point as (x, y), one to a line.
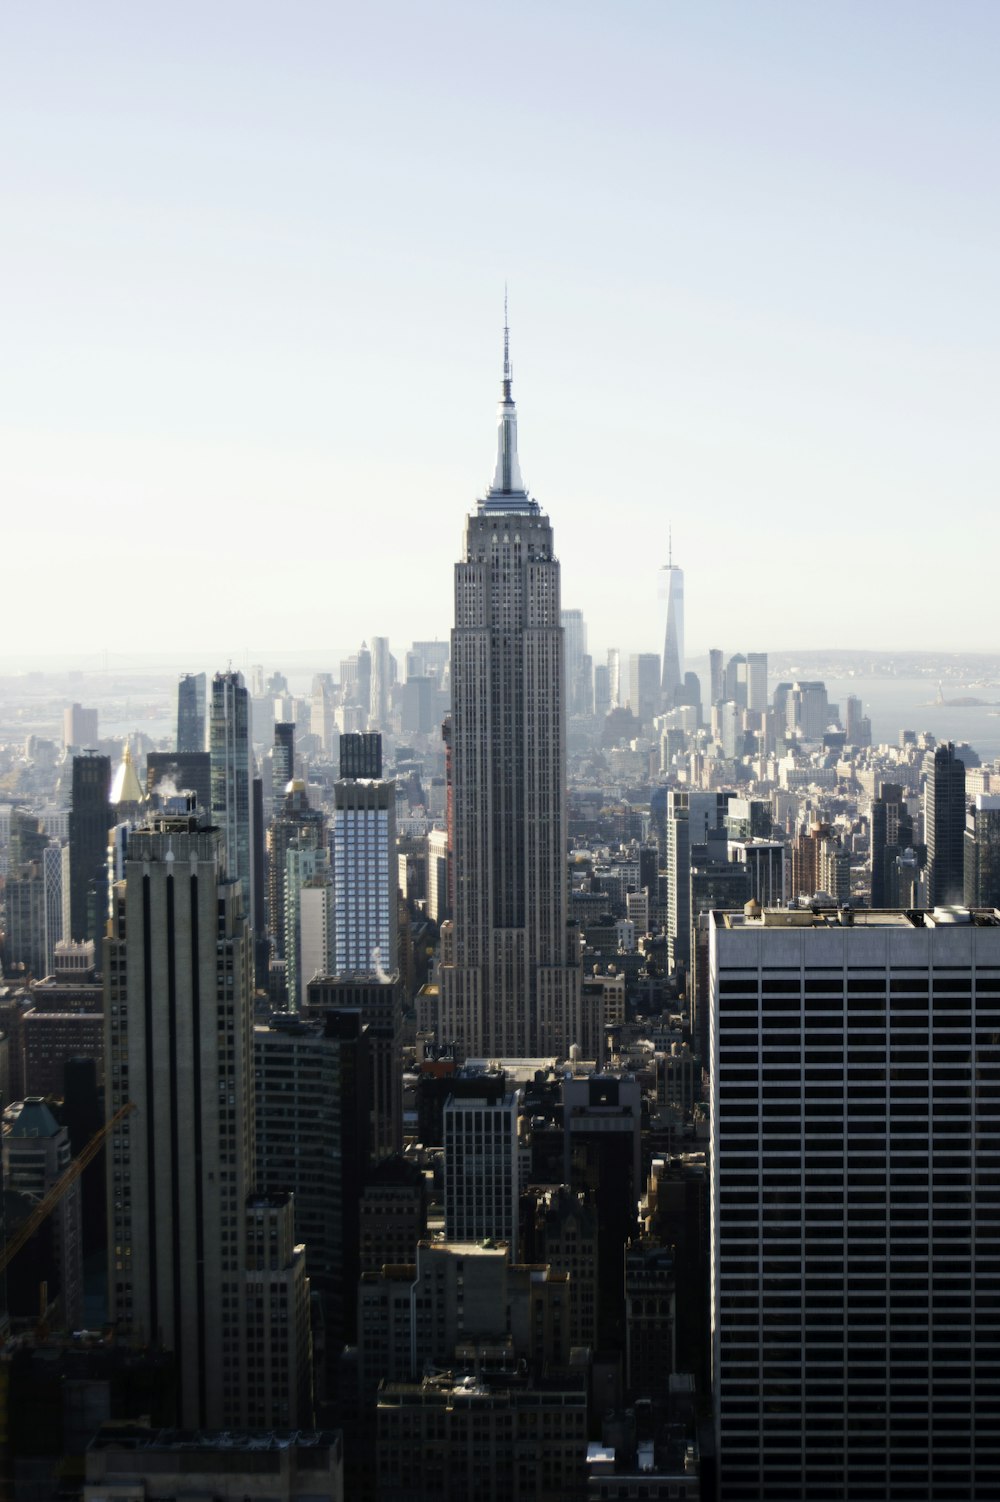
(252, 272)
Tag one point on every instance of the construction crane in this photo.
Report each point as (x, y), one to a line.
(47, 1204)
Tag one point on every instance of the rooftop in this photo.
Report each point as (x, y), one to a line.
(852, 917)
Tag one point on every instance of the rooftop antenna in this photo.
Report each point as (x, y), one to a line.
(670, 545)
(506, 338)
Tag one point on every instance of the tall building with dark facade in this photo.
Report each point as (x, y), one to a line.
(378, 1001)
(191, 693)
(944, 826)
(982, 851)
(312, 1140)
(179, 996)
(510, 983)
(89, 821)
(892, 833)
(181, 772)
(855, 1188)
(232, 780)
(282, 759)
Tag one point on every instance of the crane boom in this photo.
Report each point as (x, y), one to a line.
(66, 1181)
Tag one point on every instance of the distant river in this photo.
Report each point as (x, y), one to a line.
(895, 704)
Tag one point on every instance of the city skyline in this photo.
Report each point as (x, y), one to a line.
(779, 318)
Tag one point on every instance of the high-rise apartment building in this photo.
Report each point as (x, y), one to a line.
(179, 1046)
(511, 983)
(855, 1204)
(670, 591)
(232, 779)
(191, 695)
(944, 826)
(365, 875)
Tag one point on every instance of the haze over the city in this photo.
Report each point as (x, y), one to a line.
(255, 260)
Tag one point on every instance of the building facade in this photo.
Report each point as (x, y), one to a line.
(855, 1187)
(944, 826)
(511, 984)
(232, 769)
(178, 1045)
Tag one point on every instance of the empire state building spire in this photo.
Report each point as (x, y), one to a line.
(507, 492)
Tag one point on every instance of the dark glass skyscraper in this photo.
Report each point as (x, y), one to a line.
(89, 821)
(282, 760)
(191, 712)
(944, 827)
(892, 833)
(232, 779)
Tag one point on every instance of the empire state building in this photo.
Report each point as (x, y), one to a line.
(510, 975)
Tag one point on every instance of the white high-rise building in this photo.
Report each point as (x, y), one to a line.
(670, 592)
(855, 1161)
(510, 984)
(575, 646)
(364, 876)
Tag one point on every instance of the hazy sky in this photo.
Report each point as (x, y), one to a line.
(252, 265)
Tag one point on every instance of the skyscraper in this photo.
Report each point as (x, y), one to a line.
(575, 643)
(232, 776)
(179, 1045)
(944, 826)
(716, 675)
(89, 822)
(79, 727)
(481, 1189)
(855, 1202)
(511, 982)
(670, 589)
(644, 693)
(757, 681)
(982, 851)
(690, 817)
(191, 712)
(383, 676)
(364, 868)
(891, 834)
(282, 760)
